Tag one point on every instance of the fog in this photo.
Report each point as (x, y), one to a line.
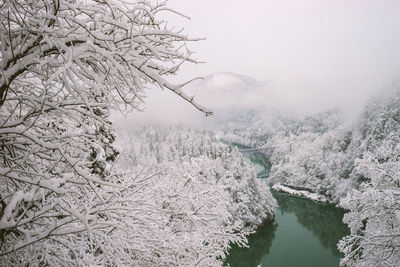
(305, 56)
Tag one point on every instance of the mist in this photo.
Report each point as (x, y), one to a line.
(302, 57)
(226, 92)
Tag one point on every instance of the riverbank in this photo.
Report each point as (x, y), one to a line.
(303, 233)
(301, 193)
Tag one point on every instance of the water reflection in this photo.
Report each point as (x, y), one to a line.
(304, 233)
(323, 220)
(259, 245)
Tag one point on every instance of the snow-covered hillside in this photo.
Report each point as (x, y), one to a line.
(226, 89)
(228, 81)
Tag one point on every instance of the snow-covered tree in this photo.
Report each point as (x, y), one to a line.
(312, 154)
(358, 167)
(64, 64)
(374, 213)
(247, 199)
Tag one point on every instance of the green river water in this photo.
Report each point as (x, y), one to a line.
(304, 233)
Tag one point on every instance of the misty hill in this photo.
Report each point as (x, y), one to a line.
(244, 108)
(228, 81)
(227, 89)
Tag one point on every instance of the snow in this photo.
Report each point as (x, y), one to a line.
(235, 91)
(177, 196)
(301, 193)
(353, 165)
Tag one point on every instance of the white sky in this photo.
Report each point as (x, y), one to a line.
(319, 50)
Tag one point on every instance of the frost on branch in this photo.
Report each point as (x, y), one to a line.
(63, 66)
(110, 48)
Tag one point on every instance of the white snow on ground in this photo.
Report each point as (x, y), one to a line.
(301, 193)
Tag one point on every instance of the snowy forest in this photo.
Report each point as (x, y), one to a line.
(352, 165)
(83, 185)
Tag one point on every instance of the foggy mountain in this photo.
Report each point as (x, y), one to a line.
(226, 89)
(237, 98)
(233, 98)
(228, 82)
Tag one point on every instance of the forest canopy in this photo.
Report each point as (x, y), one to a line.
(64, 197)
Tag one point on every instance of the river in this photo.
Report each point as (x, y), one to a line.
(304, 232)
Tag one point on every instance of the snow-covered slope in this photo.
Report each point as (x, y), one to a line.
(229, 82)
(226, 89)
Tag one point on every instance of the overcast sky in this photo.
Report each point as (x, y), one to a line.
(324, 49)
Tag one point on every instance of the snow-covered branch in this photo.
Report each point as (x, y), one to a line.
(64, 66)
